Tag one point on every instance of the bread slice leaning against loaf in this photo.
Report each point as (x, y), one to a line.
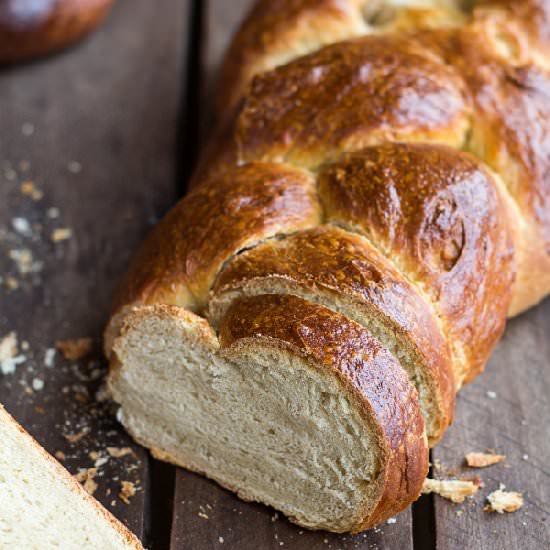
(42, 507)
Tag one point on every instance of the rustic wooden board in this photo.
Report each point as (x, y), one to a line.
(506, 409)
(95, 130)
(205, 515)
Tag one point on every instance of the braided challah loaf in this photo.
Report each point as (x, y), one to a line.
(377, 203)
(32, 28)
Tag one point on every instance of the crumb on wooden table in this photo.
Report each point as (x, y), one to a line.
(501, 501)
(119, 452)
(61, 234)
(455, 490)
(127, 490)
(86, 477)
(482, 460)
(76, 437)
(76, 348)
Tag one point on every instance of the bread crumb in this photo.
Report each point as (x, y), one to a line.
(202, 515)
(119, 452)
(8, 346)
(60, 455)
(53, 212)
(76, 348)
(29, 189)
(61, 234)
(525, 457)
(74, 167)
(491, 394)
(391, 521)
(24, 261)
(37, 384)
(127, 490)
(11, 283)
(504, 501)
(8, 354)
(22, 226)
(455, 490)
(75, 438)
(220, 540)
(49, 358)
(27, 129)
(86, 477)
(482, 460)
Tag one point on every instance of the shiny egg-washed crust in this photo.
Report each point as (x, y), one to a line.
(350, 95)
(39, 27)
(438, 215)
(332, 261)
(178, 262)
(369, 375)
(423, 133)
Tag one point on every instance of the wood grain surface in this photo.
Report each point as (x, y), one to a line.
(97, 134)
(506, 409)
(93, 132)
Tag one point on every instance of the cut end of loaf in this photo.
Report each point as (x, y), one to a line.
(274, 411)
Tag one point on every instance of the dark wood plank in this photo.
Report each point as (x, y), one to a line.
(513, 421)
(230, 521)
(95, 130)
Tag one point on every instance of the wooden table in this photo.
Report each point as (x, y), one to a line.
(107, 133)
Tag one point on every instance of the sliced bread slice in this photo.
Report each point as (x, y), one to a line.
(42, 507)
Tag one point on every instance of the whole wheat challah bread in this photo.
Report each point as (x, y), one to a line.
(31, 28)
(376, 204)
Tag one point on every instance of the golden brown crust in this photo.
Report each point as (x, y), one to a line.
(435, 212)
(329, 260)
(276, 31)
(32, 29)
(350, 95)
(510, 94)
(178, 262)
(368, 372)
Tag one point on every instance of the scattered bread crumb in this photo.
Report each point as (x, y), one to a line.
(501, 501)
(8, 354)
(86, 477)
(37, 384)
(74, 167)
(24, 261)
(29, 189)
(11, 282)
(127, 490)
(75, 349)
(22, 226)
(491, 394)
(49, 358)
(60, 455)
(482, 460)
(8, 346)
(455, 490)
(119, 452)
(61, 234)
(74, 438)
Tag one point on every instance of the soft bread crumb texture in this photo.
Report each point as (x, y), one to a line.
(42, 507)
(501, 501)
